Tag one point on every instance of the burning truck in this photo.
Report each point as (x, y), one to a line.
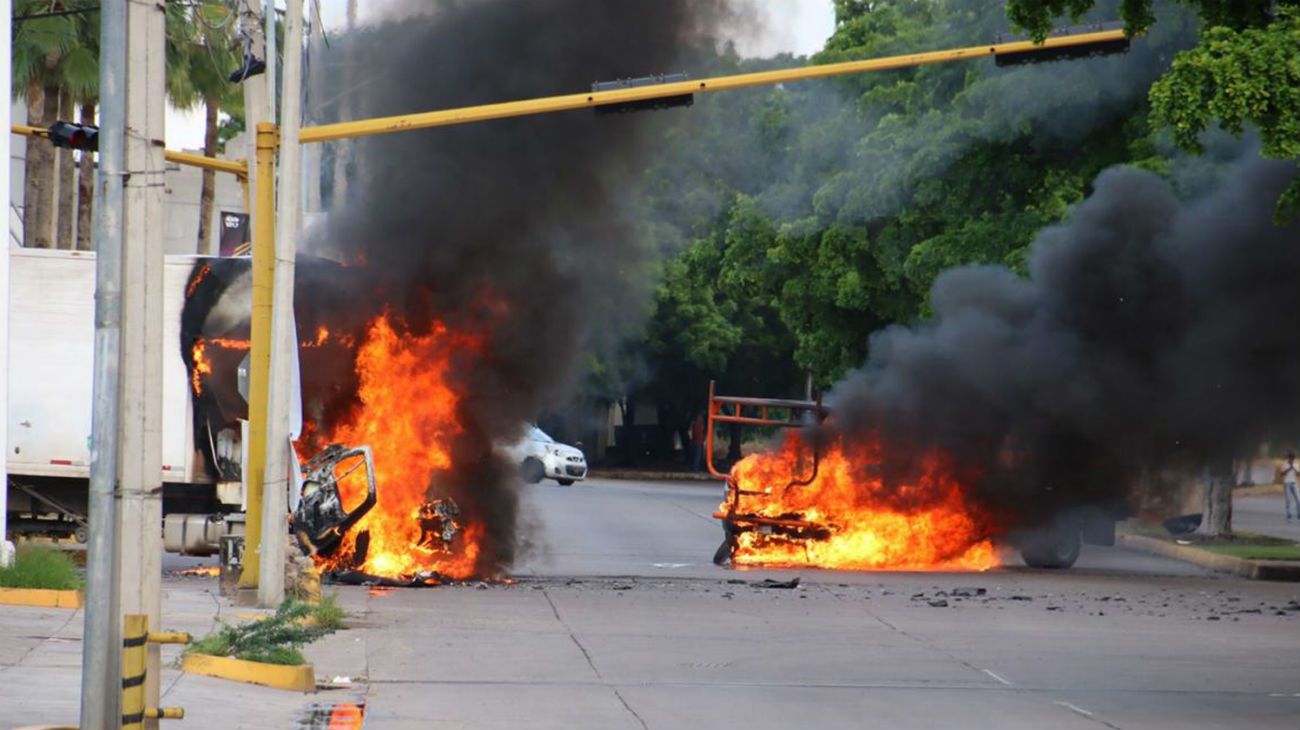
(381, 418)
(817, 498)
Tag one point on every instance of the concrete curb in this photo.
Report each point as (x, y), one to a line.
(1258, 490)
(41, 597)
(650, 476)
(295, 678)
(1253, 569)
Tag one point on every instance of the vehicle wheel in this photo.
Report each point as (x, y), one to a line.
(565, 482)
(1052, 549)
(722, 555)
(533, 471)
(81, 534)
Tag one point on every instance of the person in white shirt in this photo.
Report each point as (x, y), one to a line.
(1289, 489)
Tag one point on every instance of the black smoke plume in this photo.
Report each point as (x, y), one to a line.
(521, 229)
(1150, 332)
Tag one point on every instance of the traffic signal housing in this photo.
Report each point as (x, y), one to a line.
(75, 136)
(667, 102)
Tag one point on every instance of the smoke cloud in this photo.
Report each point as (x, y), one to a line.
(523, 230)
(1150, 332)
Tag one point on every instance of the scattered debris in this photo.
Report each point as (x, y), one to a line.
(938, 603)
(968, 592)
(782, 584)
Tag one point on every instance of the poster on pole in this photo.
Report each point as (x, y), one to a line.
(234, 234)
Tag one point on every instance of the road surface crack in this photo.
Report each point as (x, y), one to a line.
(587, 655)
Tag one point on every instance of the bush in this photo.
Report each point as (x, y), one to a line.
(328, 614)
(277, 639)
(41, 567)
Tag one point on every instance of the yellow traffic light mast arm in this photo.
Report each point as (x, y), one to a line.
(592, 100)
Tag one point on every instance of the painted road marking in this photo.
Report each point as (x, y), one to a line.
(994, 675)
(1074, 708)
(672, 565)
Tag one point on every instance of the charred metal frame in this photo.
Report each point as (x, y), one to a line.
(738, 410)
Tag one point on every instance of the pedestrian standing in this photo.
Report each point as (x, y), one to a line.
(1289, 490)
(698, 430)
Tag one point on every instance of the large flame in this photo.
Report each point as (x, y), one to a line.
(924, 525)
(407, 414)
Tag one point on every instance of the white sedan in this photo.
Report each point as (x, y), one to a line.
(541, 457)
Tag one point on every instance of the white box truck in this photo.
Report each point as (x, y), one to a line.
(51, 326)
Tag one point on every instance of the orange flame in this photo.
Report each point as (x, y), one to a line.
(407, 415)
(203, 365)
(202, 274)
(869, 528)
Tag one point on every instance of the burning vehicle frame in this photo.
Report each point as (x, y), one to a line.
(320, 520)
(1054, 545)
(735, 520)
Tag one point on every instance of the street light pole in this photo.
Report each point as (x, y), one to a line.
(139, 461)
(100, 644)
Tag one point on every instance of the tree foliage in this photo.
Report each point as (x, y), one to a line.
(806, 218)
(1245, 72)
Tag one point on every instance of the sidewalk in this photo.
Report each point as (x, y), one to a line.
(40, 667)
(1258, 511)
(1264, 514)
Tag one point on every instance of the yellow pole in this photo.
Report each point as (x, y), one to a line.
(591, 100)
(135, 635)
(259, 358)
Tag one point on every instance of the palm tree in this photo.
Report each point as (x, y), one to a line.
(201, 54)
(50, 60)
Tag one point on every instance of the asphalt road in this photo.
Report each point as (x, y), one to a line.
(618, 620)
(617, 528)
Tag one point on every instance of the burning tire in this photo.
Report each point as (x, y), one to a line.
(1056, 549)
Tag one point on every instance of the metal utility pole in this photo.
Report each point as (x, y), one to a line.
(139, 505)
(270, 591)
(101, 643)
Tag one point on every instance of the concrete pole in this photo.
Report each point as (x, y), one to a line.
(101, 642)
(250, 24)
(272, 62)
(275, 495)
(5, 555)
(139, 506)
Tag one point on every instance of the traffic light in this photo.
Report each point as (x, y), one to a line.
(667, 102)
(1104, 47)
(75, 136)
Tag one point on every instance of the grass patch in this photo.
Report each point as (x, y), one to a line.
(328, 614)
(1256, 552)
(277, 639)
(41, 567)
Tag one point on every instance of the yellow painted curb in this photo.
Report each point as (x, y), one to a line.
(43, 597)
(296, 678)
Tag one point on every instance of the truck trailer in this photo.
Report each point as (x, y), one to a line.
(51, 325)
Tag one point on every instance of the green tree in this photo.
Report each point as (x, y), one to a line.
(1244, 72)
(54, 67)
(201, 53)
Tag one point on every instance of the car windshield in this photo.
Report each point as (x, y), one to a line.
(537, 434)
